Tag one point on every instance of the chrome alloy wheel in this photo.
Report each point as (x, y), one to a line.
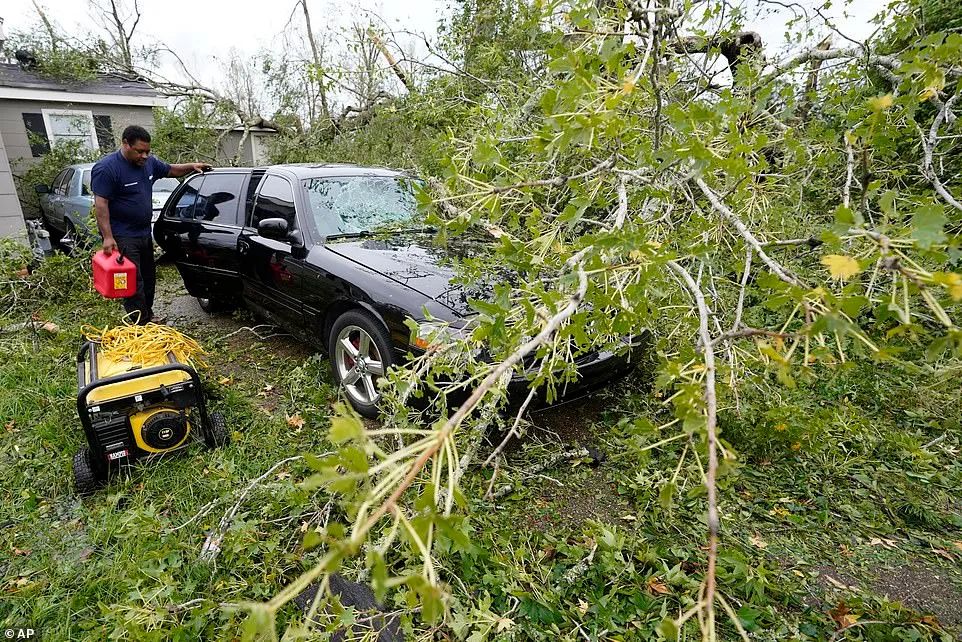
(358, 364)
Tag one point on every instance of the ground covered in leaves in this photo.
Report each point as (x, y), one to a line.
(841, 513)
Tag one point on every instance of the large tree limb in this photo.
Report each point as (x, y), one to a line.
(711, 411)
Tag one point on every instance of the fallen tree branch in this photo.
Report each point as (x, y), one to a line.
(712, 437)
(364, 523)
(746, 234)
(945, 114)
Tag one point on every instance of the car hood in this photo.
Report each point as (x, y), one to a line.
(419, 262)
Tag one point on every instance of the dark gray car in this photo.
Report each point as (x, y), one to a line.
(65, 205)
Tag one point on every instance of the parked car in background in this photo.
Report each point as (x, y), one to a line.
(336, 255)
(65, 205)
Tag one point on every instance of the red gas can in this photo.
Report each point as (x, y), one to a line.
(115, 276)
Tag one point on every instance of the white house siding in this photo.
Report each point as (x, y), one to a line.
(11, 216)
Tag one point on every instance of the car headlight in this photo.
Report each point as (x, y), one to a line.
(433, 333)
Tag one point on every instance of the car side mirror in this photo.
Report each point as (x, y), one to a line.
(41, 189)
(273, 228)
(298, 249)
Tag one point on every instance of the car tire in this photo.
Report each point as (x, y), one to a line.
(55, 236)
(84, 476)
(213, 305)
(361, 353)
(74, 243)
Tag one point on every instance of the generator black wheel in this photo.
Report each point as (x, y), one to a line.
(84, 476)
(218, 434)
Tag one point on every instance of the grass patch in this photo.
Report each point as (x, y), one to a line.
(833, 503)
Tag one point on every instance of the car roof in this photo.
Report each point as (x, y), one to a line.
(314, 170)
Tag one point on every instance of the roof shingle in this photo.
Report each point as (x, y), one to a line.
(12, 75)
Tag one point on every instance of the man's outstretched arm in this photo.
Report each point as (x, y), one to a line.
(183, 169)
(102, 207)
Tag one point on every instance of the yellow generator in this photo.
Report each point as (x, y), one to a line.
(132, 411)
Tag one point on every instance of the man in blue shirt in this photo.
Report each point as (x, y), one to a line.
(122, 183)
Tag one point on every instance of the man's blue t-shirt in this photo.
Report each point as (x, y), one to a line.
(128, 188)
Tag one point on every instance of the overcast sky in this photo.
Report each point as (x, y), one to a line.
(204, 31)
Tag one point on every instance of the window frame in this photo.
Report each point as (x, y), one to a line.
(170, 207)
(92, 143)
(260, 187)
(237, 223)
(62, 182)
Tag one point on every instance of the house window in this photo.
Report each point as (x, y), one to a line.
(71, 125)
(36, 134)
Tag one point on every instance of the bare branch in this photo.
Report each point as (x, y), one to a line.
(710, 429)
(732, 218)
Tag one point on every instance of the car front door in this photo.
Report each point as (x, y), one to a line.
(271, 275)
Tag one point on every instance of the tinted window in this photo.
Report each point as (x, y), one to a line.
(57, 181)
(256, 177)
(275, 200)
(217, 199)
(184, 207)
(346, 204)
(63, 185)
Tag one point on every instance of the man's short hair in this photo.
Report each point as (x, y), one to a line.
(133, 133)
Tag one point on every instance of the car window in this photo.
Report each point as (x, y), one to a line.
(274, 200)
(85, 184)
(256, 176)
(218, 197)
(58, 181)
(184, 207)
(347, 204)
(63, 188)
(166, 184)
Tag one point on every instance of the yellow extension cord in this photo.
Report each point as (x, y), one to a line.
(145, 344)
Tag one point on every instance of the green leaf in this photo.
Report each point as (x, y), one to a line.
(928, 223)
(312, 539)
(668, 629)
(345, 428)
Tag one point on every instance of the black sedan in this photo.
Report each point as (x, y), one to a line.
(305, 246)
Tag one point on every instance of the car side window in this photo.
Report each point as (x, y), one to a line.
(58, 181)
(218, 197)
(274, 200)
(256, 177)
(63, 189)
(186, 202)
(85, 184)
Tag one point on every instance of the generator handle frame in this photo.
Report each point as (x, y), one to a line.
(88, 348)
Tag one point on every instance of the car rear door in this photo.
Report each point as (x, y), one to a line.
(55, 199)
(78, 200)
(271, 276)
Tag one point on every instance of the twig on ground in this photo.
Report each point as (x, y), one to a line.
(211, 548)
(256, 331)
(548, 463)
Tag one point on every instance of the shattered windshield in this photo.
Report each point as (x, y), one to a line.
(355, 204)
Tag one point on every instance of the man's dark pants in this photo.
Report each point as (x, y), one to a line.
(140, 250)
